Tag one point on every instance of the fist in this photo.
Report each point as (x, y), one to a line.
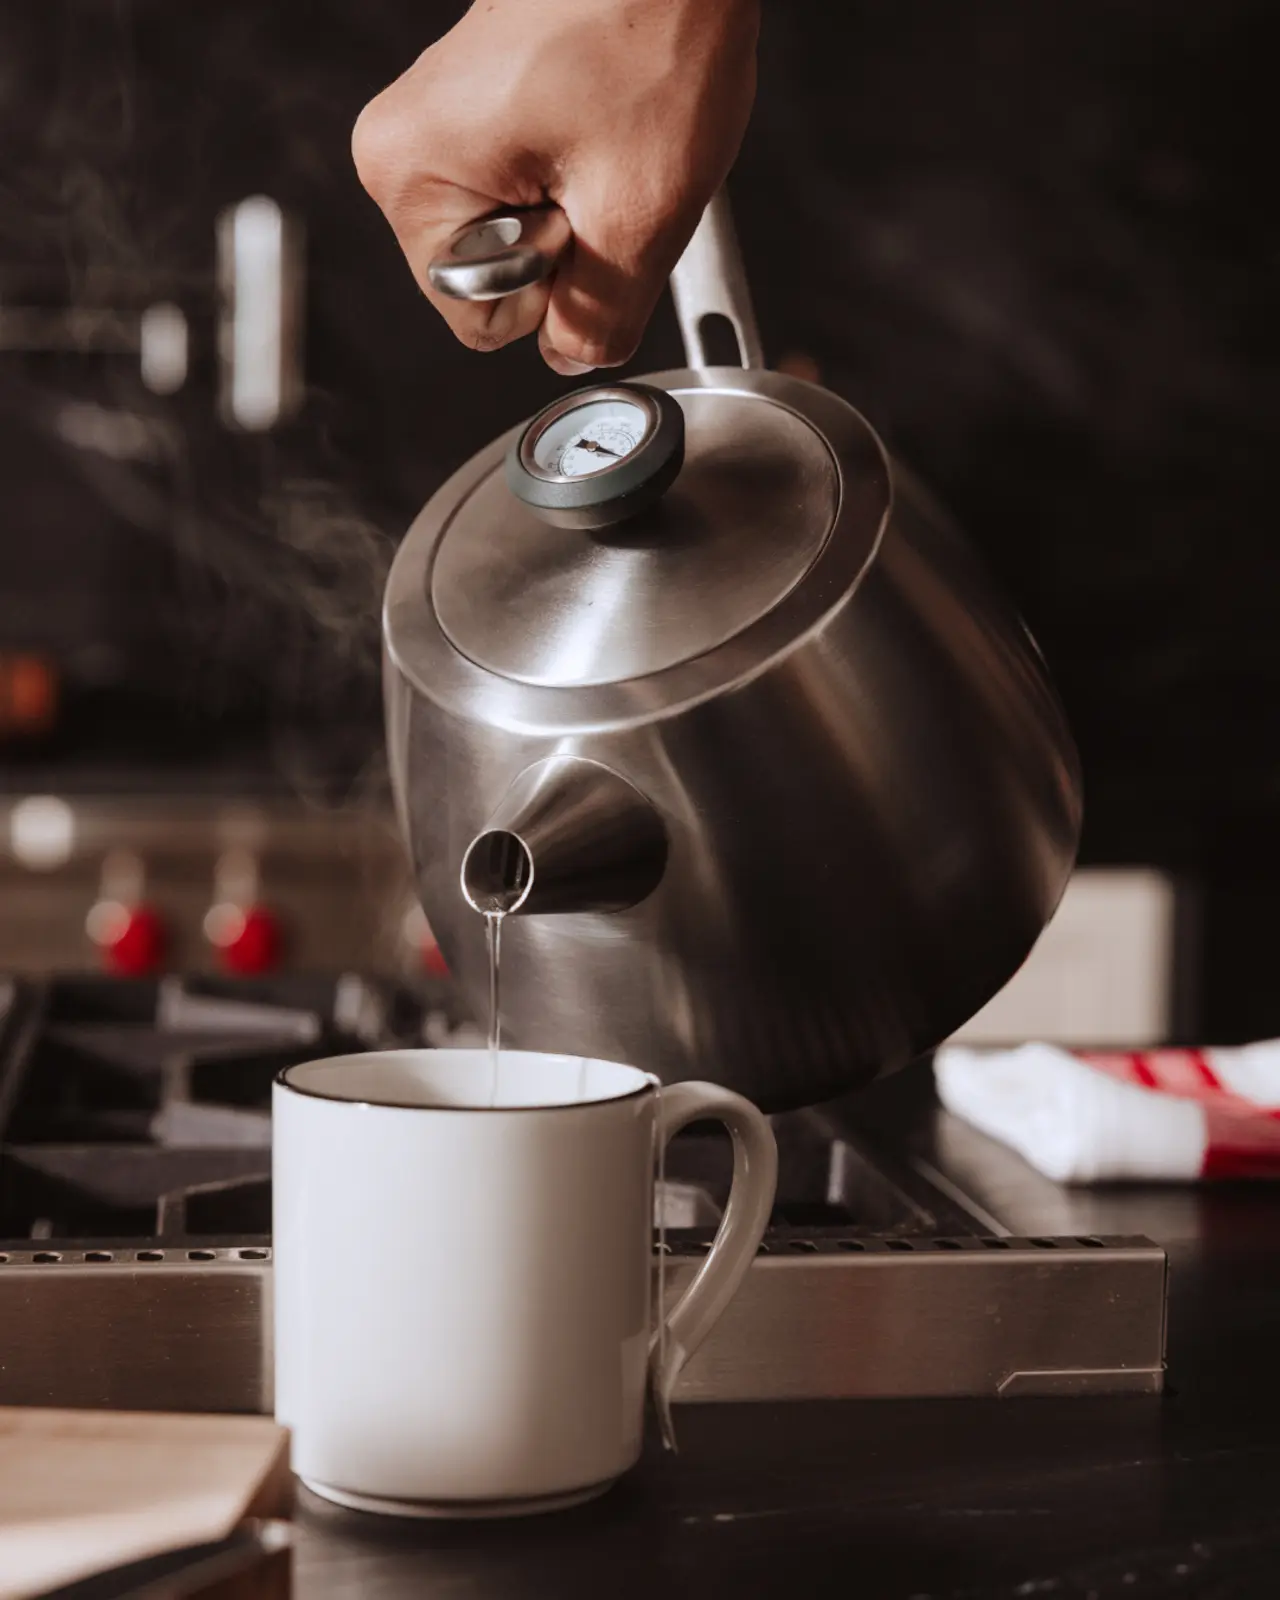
(627, 114)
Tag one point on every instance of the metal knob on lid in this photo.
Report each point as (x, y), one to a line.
(599, 455)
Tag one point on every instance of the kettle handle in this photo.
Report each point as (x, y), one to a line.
(510, 250)
(710, 281)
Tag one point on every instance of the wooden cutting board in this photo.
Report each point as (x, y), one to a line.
(82, 1492)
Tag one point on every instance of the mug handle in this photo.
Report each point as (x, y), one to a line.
(755, 1182)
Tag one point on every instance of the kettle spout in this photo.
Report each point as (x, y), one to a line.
(570, 835)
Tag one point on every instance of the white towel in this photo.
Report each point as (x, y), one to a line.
(1150, 1115)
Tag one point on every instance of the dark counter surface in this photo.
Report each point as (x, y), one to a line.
(937, 1499)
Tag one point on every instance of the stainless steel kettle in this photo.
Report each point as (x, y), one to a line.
(697, 682)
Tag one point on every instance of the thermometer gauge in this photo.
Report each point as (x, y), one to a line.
(599, 455)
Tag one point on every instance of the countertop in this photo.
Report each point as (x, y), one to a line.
(936, 1500)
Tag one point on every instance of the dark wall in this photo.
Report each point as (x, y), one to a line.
(1047, 266)
(1035, 243)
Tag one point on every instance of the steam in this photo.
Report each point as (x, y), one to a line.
(273, 555)
(332, 562)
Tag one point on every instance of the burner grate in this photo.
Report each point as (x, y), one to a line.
(142, 1110)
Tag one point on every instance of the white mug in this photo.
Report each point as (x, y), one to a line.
(463, 1271)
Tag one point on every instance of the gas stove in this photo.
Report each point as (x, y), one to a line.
(135, 1218)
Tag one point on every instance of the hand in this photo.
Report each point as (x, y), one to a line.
(627, 113)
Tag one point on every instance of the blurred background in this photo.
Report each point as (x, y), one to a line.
(1036, 245)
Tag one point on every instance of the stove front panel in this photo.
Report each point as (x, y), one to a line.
(333, 884)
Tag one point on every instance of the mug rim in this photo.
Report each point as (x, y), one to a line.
(649, 1082)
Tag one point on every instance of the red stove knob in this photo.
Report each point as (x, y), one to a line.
(420, 942)
(249, 939)
(132, 938)
(433, 960)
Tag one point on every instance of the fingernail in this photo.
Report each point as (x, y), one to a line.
(499, 325)
(566, 367)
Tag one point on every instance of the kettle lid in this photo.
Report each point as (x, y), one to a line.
(744, 520)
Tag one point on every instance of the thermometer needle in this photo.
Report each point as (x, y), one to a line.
(596, 449)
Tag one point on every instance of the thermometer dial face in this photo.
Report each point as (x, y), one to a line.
(591, 438)
(598, 456)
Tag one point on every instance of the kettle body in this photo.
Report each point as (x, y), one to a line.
(785, 823)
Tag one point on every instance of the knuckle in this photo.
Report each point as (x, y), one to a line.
(376, 147)
(633, 230)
